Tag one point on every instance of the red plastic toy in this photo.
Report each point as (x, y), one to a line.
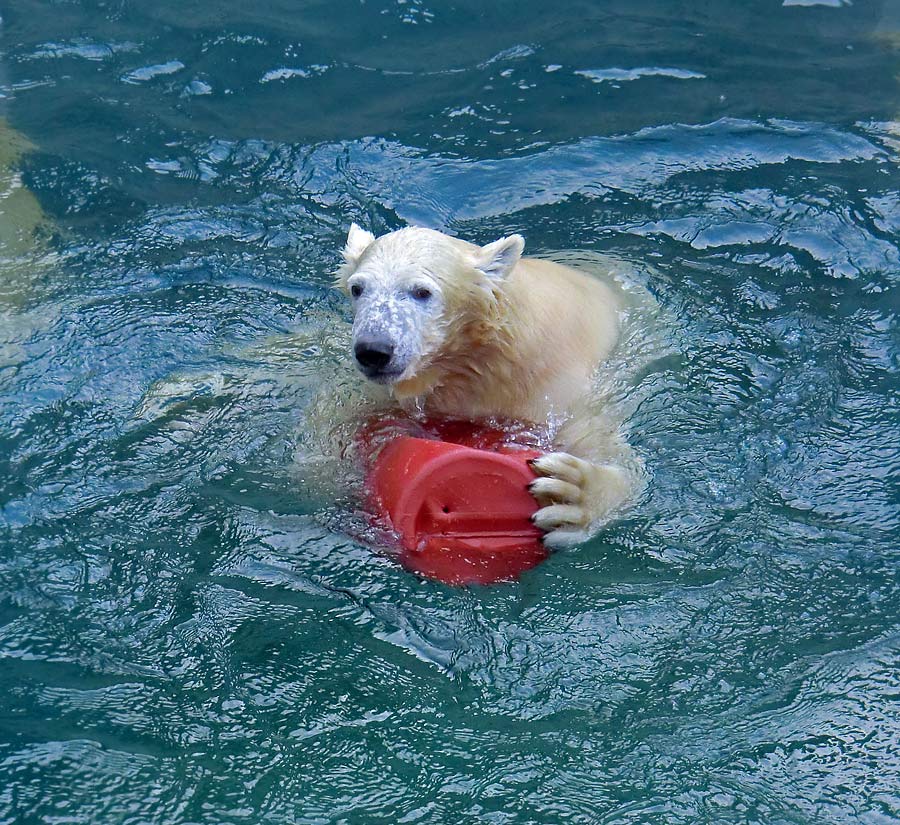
(458, 498)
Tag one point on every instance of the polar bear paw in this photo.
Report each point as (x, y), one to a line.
(575, 496)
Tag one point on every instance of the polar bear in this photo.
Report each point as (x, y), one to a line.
(479, 332)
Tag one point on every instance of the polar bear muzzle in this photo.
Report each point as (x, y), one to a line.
(387, 334)
(373, 355)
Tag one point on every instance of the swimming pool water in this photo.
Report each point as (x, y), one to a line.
(185, 637)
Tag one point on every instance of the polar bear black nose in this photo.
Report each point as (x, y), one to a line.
(373, 355)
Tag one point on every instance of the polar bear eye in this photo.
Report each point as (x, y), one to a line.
(356, 290)
(420, 293)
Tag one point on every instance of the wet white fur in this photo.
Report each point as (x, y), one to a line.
(502, 336)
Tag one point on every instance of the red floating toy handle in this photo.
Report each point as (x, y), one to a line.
(463, 514)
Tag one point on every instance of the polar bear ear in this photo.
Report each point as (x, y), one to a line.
(497, 259)
(358, 241)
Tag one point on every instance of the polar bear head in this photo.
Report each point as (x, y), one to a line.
(420, 298)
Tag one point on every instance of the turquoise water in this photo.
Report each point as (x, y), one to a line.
(186, 636)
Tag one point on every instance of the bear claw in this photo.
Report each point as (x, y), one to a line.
(559, 515)
(560, 465)
(548, 490)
